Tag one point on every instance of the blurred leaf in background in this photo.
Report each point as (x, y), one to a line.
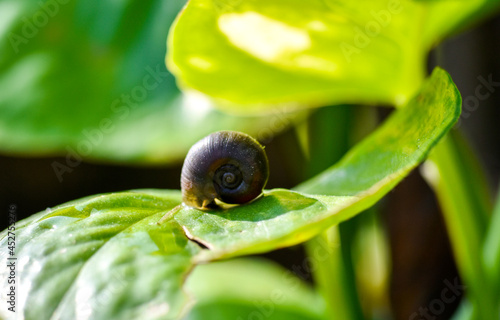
(87, 79)
(318, 53)
(270, 291)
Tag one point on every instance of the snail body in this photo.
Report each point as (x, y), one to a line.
(227, 165)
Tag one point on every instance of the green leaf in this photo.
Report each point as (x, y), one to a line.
(359, 180)
(397, 146)
(103, 257)
(315, 53)
(91, 82)
(251, 288)
(108, 256)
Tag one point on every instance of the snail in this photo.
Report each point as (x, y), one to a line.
(227, 165)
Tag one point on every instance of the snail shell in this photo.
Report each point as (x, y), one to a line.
(227, 165)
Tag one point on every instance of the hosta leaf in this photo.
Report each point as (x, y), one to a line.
(106, 257)
(244, 287)
(91, 81)
(255, 53)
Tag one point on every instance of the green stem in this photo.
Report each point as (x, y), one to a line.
(329, 135)
(465, 311)
(333, 277)
(492, 249)
(491, 255)
(461, 193)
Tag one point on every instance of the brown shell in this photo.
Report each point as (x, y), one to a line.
(227, 165)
